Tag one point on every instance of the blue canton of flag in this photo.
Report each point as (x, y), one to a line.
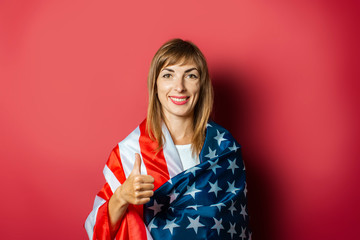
(207, 201)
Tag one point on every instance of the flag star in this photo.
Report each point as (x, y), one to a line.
(232, 188)
(208, 125)
(214, 165)
(214, 188)
(243, 211)
(232, 165)
(234, 147)
(194, 206)
(220, 137)
(232, 230)
(173, 195)
(218, 226)
(170, 181)
(218, 205)
(250, 235)
(195, 223)
(152, 225)
(192, 170)
(211, 154)
(232, 208)
(156, 207)
(171, 225)
(243, 233)
(192, 190)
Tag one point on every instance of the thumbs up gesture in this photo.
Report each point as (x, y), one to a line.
(137, 189)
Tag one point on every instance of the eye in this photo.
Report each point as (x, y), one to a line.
(192, 76)
(166, 75)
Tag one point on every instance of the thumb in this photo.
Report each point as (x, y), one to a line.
(137, 164)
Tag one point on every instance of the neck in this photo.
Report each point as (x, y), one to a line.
(181, 129)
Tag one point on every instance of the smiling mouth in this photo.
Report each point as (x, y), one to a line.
(179, 100)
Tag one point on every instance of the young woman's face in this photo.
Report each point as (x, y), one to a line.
(178, 88)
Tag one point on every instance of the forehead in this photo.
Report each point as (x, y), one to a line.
(180, 63)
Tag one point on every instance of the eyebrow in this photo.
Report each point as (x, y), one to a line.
(186, 71)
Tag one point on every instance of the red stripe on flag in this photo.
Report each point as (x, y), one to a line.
(132, 226)
(136, 222)
(155, 162)
(123, 232)
(105, 193)
(101, 228)
(115, 165)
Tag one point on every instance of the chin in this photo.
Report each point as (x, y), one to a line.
(185, 115)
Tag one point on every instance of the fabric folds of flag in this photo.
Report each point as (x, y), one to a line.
(207, 201)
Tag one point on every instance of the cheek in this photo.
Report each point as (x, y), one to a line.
(162, 90)
(196, 89)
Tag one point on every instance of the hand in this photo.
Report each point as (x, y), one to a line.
(137, 189)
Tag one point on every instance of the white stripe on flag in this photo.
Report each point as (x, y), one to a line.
(111, 179)
(148, 235)
(91, 219)
(171, 155)
(128, 147)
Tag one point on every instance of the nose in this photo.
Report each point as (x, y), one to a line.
(179, 85)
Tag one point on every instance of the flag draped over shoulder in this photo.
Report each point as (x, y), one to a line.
(207, 201)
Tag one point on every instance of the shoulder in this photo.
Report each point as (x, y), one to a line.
(214, 130)
(131, 141)
(128, 146)
(218, 141)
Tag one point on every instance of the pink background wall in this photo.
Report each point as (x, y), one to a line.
(286, 76)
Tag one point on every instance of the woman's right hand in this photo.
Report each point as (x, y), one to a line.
(137, 189)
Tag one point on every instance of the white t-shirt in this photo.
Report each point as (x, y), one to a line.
(186, 157)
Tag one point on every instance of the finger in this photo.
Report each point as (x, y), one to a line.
(143, 179)
(143, 194)
(137, 165)
(144, 187)
(141, 201)
(148, 179)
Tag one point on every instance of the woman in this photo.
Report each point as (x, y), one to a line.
(177, 175)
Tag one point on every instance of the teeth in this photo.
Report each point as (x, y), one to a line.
(178, 99)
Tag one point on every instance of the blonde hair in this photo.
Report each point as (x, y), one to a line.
(173, 52)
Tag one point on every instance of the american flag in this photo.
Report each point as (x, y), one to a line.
(207, 201)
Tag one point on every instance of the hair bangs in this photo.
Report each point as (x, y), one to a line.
(181, 54)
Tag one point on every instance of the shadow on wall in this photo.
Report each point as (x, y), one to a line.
(237, 107)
